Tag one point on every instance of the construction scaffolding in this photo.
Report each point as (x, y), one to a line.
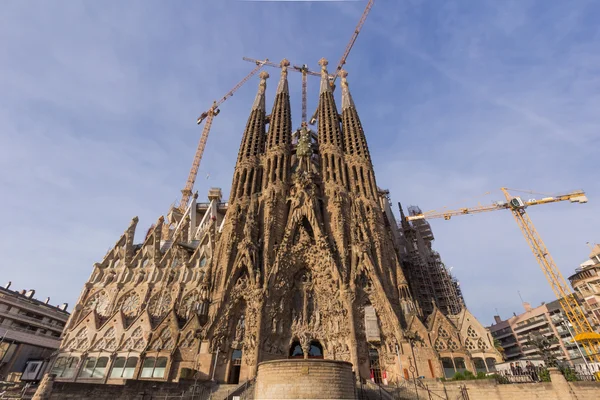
(431, 281)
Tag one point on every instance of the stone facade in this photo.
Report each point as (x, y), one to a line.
(302, 261)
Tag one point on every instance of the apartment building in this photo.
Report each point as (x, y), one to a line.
(586, 283)
(548, 321)
(30, 332)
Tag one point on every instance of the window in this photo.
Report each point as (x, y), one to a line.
(154, 367)
(203, 262)
(65, 367)
(32, 367)
(296, 350)
(124, 367)
(94, 368)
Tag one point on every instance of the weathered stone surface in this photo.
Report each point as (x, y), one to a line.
(304, 379)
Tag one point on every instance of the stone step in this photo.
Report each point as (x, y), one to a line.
(222, 391)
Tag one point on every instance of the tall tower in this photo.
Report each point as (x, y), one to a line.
(302, 261)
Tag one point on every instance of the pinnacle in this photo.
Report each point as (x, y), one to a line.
(259, 101)
(282, 87)
(325, 87)
(347, 101)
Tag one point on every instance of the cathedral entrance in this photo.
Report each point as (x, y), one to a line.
(374, 365)
(236, 365)
(315, 350)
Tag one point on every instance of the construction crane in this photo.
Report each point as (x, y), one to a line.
(333, 77)
(359, 26)
(303, 70)
(209, 115)
(583, 330)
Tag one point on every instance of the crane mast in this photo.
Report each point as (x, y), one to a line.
(303, 70)
(581, 326)
(208, 116)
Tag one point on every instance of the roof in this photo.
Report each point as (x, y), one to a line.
(36, 302)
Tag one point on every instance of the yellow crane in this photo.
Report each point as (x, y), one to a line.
(209, 115)
(583, 330)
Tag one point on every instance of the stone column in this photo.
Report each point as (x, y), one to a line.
(44, 390)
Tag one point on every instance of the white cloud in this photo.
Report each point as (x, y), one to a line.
(100, 105)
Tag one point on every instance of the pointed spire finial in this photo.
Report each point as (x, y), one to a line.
(282, 87)
(346, 96)
(325, 87)
(259, 101)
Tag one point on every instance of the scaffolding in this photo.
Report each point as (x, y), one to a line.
(431, 281)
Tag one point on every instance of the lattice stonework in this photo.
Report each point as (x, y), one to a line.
(129, 304)
(452, 345)
(481, 344)
(443, 333)
(165, 341)
(471, 333)
(159, 304)
(440, 345)
(470, 344)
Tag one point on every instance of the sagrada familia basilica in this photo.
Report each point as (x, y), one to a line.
(304, 260)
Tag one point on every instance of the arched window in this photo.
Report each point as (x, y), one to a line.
(491, 364)
(94, 368)
(448, 366)
(479, 364)
(123, 367)
(315, 350)
(65, 367)
(154, 367)
(296, 350)
(460, 364)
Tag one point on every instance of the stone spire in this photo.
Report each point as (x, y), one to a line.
(330, 133)
(280, 133)
(356, 151)
(356, 143)
(280, 127)
(329, 127)
(246, 179)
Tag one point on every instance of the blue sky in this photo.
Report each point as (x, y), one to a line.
(99, 100)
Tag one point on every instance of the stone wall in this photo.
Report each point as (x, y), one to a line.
(131, 390)
(304, 379)
(488, 389)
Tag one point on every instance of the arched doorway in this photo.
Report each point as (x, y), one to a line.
(374, 365)
(236, 365)
(296, 350)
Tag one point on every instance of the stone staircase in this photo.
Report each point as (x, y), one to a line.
(222, 391)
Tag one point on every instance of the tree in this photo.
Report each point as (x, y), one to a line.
(499, 349)
(543, 345)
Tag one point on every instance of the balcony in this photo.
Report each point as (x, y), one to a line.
(29, 337)
(531, 325)
(32, 321)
